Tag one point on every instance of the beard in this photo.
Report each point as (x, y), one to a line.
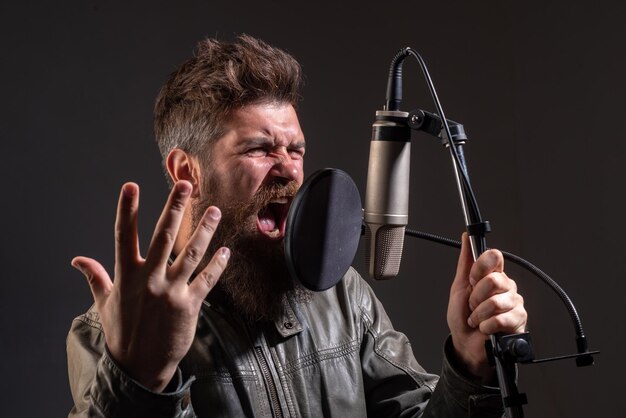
(256, 280)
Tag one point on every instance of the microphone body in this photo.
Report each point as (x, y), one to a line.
(386, 212)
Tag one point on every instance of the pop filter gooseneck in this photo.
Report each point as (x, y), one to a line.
(323, 229)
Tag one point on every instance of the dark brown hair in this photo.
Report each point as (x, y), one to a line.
(198, 97)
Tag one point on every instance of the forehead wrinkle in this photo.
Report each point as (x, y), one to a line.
(283, 132)
(262, 125)
(271, 140)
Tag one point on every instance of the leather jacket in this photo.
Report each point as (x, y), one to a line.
(334, 356)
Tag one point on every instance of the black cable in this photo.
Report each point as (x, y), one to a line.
(394, 84)
(520, 262)
(394, 98)
(444, 122)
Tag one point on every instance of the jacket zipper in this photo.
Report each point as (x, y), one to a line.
(270, 383)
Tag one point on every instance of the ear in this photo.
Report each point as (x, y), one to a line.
(183, 166)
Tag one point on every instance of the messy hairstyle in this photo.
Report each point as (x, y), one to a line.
(192, 107)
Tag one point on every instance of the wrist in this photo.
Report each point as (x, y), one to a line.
(154, 381)
(154, 378)
(472, 364)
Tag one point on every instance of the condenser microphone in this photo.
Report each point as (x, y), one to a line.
(386, 212)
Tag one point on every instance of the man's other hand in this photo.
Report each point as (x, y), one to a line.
(483, 301)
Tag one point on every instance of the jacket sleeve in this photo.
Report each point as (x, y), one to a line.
(462, 396)
(101, 389)
(397, 386)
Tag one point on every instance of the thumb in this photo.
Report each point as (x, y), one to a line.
(464, 265)
(99, 281)
(458, 305)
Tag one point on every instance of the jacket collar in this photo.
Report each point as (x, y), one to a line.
(288, 324)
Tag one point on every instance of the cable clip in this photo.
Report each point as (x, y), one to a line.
(480, 228)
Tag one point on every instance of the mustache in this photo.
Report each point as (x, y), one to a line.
(268, 192)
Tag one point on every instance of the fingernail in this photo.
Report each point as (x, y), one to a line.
(225, 253)
(214, 213)
(493, 257)
(472, 281)
(129, 190)
(184, 188)
(470, 322)
(471, 307)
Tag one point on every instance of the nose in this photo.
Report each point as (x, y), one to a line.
(285, 169)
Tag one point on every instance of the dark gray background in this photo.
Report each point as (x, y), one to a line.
(538, 86)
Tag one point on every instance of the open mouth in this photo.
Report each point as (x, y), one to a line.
(271, 219)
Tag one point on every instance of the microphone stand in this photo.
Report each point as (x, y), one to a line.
(476, 227)
(503, 351)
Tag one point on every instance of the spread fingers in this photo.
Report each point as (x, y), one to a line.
(126, 241)
(193, 253)
(167, 228)
(208, 277)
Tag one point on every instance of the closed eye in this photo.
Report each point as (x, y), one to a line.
(296, 153)
(257, 152)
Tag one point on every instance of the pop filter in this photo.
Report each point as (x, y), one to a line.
(323, 229)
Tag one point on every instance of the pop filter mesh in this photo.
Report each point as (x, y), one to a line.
(323, 229)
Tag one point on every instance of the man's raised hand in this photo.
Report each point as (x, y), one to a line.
(149, 311)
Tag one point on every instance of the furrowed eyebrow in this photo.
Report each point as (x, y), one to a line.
(298, 145)
(256, 141)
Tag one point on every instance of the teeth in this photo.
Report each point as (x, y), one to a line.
(274, 234)
(281, 200)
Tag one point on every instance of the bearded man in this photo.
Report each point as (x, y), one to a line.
(165, 338)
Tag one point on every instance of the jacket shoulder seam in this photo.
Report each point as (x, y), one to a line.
(368, 322)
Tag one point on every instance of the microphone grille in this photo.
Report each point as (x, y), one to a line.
(389, 241)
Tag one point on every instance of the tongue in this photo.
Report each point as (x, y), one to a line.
(267, 221)
(267, 224)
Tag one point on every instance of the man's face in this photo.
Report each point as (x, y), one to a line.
(263, 148)
(255, 170)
